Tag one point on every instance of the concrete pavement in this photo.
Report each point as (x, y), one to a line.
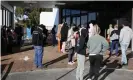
(69, 74)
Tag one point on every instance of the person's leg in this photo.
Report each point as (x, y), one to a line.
(81, 61)
(72, 54)
(116, 47)
(40, 56)
(35, 57)
(53, 39)
(63, 47)
(78, 68)
(98, 62)
(92, 63)
(123, 49)
(112, 47)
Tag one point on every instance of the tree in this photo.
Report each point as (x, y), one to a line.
(19, 11)
(33, 13)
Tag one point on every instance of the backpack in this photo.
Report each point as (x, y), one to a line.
(114, 36)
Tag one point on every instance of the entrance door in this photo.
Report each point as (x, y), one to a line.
(76, 20)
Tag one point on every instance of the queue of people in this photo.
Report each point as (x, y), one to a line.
(73, 39)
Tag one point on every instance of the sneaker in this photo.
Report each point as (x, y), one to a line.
(70, 63)
(89, 79)
(73, 62)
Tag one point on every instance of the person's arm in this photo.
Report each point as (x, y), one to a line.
(121, 36)
(105, 45)
(88, 45)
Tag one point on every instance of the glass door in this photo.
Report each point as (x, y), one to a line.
(76, 20)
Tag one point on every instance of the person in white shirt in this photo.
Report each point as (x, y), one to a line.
(126, 34)
(91, 33)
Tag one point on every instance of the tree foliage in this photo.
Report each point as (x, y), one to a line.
(33, 14)
(19, 11)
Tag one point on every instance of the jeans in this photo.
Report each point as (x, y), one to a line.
(80, 66)
(71, 54)
(38, 56)
(124, 49)
(114, 44)
(95, 63)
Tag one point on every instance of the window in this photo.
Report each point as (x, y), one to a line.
(84, 20)
(68, 12)
(83, 11)
(6, 18)
(3, 17)
(78, 21)
(63, 12)
(68, 20)
(63, 20)
(75, 11)
(91, 16)
(74, 20)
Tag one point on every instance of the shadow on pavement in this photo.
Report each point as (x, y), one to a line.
(65, 74)
(114, 65)
(5, 59)
(8, 71)
(55, 60)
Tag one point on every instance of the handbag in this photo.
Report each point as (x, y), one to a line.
(68, 45)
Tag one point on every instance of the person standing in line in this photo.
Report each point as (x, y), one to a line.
(54, 35)
(38, 41)
(91, 33)
(97, 45)
(64, 33)
(126, 34)
(58, 35)
(114, 37)
(109, 33)
(71, 50)
(81, 52)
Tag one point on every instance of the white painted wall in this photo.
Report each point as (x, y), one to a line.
(0, 17)
(49, 19)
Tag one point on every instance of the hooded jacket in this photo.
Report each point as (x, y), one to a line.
(81, 44)
(126, 35)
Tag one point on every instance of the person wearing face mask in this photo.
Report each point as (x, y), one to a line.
(115, 40)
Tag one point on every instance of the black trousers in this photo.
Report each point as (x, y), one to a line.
(71, 54)
(95, 63)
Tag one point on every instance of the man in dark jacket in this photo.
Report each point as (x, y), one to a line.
(37, 40)
(81, 52)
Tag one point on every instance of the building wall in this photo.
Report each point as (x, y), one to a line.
(6, 14)
(49, 19)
